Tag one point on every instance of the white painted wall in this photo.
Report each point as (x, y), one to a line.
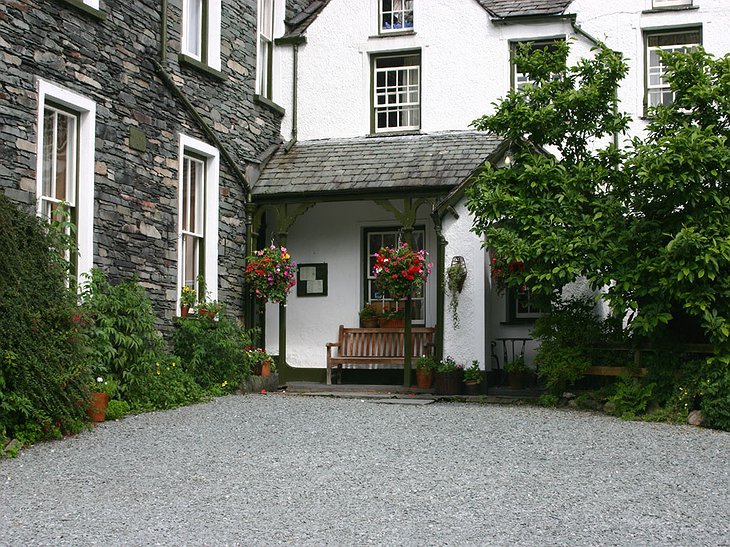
(468, 341)
(332, 233)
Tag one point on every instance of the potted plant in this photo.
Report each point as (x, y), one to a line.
(187, 300)
(209, 310)
(270, 274)
(261, 363)
(369, 316)
(424, 371)
(473, 379)
(517, 372)
(101, 391)
(455, 277)
(392, 318)
(449, 376)
(400, 271)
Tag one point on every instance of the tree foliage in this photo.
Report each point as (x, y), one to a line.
(650, 221)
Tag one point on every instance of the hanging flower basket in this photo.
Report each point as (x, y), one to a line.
(399, 272)
(270, 274)
(502, 270)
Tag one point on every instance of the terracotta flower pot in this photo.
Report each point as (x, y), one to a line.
(473, 388)
(370, 323)
(184, 310)
(96, 410)
(266, 369)
(396, 323)
(424, 377)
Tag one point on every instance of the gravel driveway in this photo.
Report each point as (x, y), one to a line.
(284, 469)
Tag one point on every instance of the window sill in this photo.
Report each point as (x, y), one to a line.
(670, 8)
(187, 61)
(85, 8)
(394, 133)
(268, 103)
(394, 33)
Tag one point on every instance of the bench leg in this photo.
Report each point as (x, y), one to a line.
(329, 374)
(339, 374)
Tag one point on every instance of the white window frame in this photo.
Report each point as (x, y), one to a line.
(370, 279)
(84, 109)
(520, 79)
(654, 70)
(670, 3)
(265, 30)
(208, 12)
(386, 98)
(189, 146)
(398, 12)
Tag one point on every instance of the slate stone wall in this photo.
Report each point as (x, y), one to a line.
(111, 62)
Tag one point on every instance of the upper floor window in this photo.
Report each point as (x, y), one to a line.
(657, 88)
(520, 78)
(264, 65)
(65, 167)
(201, 22)
(396, 92)
(670, 3)
(396, 15)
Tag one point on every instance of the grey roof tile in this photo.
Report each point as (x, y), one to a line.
(442, 159)
(521, 8)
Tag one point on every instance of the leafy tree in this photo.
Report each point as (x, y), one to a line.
(651, 222)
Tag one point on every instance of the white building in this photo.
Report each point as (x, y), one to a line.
(379, 96)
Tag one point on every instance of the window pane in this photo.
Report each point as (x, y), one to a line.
(194, 27)
(49, 129)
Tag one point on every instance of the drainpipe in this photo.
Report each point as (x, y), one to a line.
(579, 30)
(163, 31)
(295, 85)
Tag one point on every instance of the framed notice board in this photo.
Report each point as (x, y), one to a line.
(312, 279)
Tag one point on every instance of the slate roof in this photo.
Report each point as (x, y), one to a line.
(497, 8)
(367, 164)
(523, 8)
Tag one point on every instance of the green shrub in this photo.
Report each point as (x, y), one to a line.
(568, 336)
(164, 384)
(123, 333)
(548, 400)
(213, 351)
(632, 397)
(44, 363)
(715, 394)
(116, 409)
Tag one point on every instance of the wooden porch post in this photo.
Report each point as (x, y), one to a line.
(407, 331)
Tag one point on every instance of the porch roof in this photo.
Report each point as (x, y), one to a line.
(525, 8)
(376, 164)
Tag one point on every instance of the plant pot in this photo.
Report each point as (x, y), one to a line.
(266, 369)
(516, 380)
(449, 383)
(473, 388)
(424, 377)
(370, 323)
(96, 411)
(393, 323)
(257, 369)
(184, 311)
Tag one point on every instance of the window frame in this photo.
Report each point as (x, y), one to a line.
(55, 97)
(367, 276)
(209, 29)
(381, 13)
(514, 315)
(208, 156)
(399, 107)
(537, 43)
(265, 49)
(648, 35)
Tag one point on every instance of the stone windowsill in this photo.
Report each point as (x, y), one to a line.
(670, 8)
(394, 33)
(187, 61)
(85, 8)
(268, 103)
(395, 133)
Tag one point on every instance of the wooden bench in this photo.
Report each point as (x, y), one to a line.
(375, 348)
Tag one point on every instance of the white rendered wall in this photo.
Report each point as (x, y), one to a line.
(332, 233)
(457, 66)
(468, 341)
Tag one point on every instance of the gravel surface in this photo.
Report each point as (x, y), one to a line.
(284, 469)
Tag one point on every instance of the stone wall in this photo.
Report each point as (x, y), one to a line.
(111, 62)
